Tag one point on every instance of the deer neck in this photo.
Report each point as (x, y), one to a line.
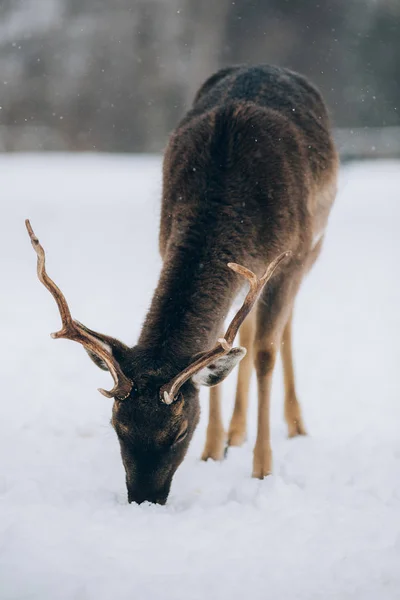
(190, 303)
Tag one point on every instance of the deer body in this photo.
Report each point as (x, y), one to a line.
(249, 174)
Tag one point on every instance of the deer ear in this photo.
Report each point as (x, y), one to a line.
(114, 347)
(116, 350)
(97, 360)
(216, 372)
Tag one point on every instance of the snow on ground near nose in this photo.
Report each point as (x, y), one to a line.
(325, 525)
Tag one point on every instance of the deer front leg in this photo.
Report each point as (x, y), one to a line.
(238, 426)
(273, 312)
(215, 440)
(292, 407)
(265, 356)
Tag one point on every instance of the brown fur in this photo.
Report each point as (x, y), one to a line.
(308, 173)
(249, 173)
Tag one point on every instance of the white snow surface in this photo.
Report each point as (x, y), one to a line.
(325, 525)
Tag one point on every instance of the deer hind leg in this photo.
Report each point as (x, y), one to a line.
(215, 439)
(238, 425)
(292, 407)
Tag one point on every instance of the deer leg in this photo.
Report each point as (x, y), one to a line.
(265, 356)
(292, 407)
(273, 312)
(215, 440)
(238, 425)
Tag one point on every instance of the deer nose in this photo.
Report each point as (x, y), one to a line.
(139, 496)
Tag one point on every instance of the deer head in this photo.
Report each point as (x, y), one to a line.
(154, 417)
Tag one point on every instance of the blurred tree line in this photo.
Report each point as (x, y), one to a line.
(117, 75)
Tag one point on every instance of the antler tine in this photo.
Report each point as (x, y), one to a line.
(49, 283)
(169, 391)
(256, 286)
(73, 330)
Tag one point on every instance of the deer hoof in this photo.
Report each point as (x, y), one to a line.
(236, 438)
(262, 464)
(214, 450)
(296, 428)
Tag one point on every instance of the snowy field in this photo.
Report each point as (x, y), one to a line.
(325, 526)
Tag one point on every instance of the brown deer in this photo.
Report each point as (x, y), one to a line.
(248, 182)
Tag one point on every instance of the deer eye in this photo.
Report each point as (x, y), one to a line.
(180, 437)
(120, 428)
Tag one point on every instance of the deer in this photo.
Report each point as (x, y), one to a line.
(249, 178)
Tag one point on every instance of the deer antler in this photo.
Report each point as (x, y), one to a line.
(72, 330)
(169, 391)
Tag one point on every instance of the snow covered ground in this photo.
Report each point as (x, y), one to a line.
(326, 525)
